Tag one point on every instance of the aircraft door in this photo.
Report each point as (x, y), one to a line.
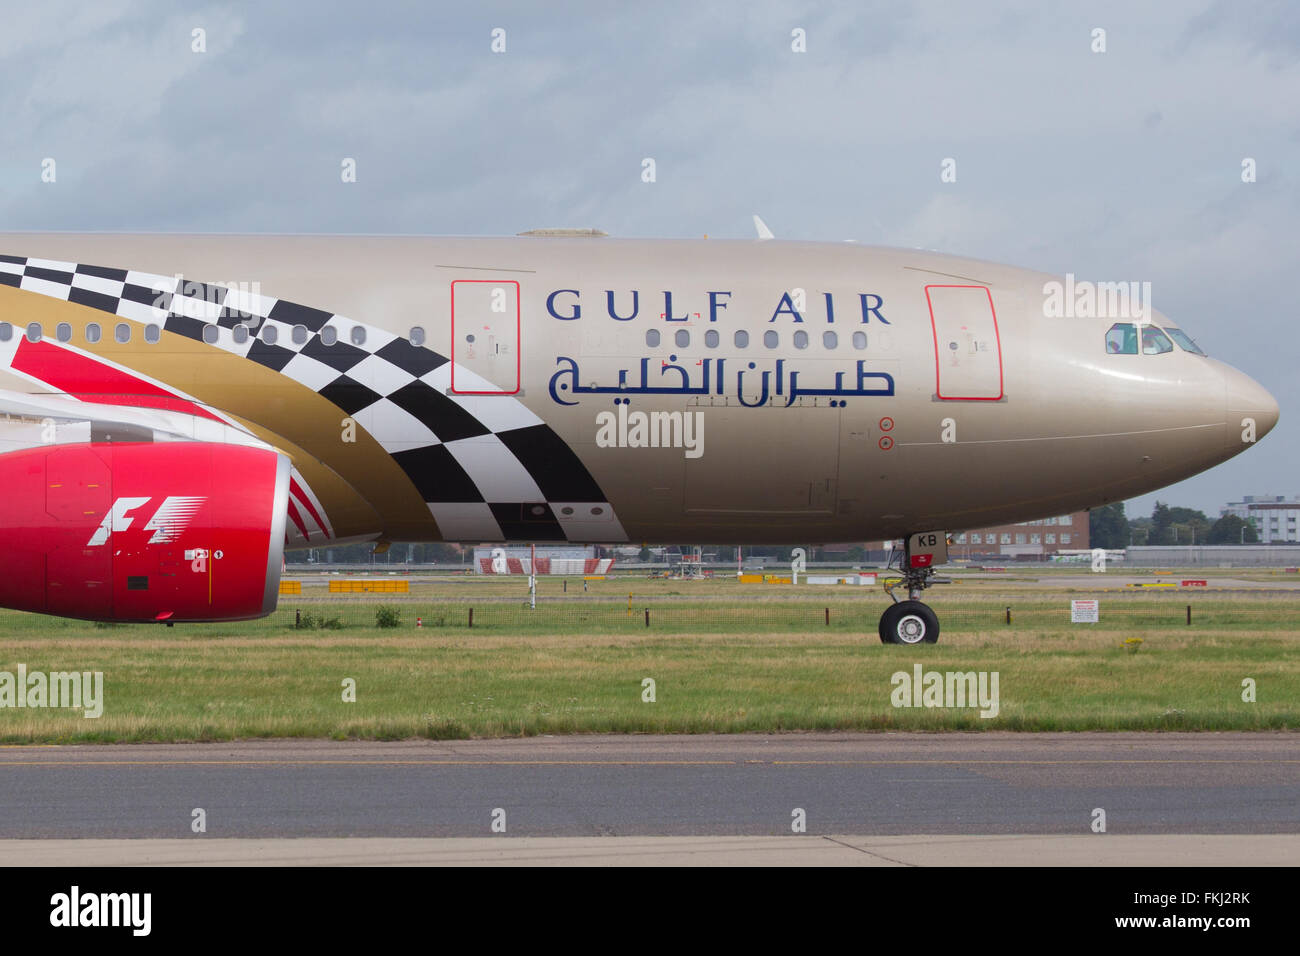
(485, 337)
(859, 462)
(968, 350)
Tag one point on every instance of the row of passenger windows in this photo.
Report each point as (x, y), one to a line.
(1122, 339)
(124, 331)
(740, 338)
(93, 332)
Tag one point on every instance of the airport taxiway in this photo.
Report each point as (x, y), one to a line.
(883, 798)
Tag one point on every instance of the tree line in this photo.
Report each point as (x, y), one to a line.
(1110, 528)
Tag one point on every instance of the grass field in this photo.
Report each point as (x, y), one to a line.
(724, 657)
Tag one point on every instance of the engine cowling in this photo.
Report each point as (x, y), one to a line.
(147, 531)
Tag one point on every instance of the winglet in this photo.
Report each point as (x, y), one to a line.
(763, 231)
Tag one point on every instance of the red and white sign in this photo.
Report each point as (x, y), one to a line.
(1085, 612)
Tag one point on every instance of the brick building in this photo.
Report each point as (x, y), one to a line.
(1043, 537)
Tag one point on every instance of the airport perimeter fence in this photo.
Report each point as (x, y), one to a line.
(668, 616)
(673, 615)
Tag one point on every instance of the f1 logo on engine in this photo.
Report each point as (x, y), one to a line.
(167, 524)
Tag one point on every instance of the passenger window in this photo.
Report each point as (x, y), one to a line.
(770, 339)
(1122, 339)
(122, 333)
(652, 338)
(300, 335)
(239, 333)
(1184, 341)
(63, 332)
(741, 339)
(270, 333)
(416, 337)
(152, 333)
(6, 331)
(34, 332)
(859, 340)
(329, 335)
(358, 335)
(683, 339)
(830, 340)
(93, 332)
(211, 333)
(711, 338)
(800, 339)
(1155, 342)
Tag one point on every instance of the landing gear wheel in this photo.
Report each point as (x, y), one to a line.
(909, 622)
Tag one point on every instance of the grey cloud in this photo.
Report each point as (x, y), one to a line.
(1115, 166)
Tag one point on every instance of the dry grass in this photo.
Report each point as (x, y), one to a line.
(721, 660)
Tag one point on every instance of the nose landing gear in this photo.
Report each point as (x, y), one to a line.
(911, 621)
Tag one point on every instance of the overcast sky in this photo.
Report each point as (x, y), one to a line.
(1122, 165)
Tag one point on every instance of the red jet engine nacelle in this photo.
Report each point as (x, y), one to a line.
(143, 531)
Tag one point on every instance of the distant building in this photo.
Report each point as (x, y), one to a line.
(1274, 517)
(1043, 537)
(557, 559)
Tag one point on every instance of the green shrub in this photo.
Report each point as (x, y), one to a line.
(317, 622)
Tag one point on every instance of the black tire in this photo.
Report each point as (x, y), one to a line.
(909, 622)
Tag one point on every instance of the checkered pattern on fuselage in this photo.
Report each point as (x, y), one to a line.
(488, 468)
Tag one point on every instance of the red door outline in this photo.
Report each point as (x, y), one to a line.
(997, 337)
(518, 327)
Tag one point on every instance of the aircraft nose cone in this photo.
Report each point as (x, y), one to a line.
(1247, 404)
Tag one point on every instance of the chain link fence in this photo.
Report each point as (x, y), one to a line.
(674, 616)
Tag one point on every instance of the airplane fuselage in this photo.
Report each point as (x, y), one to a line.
(605, 390)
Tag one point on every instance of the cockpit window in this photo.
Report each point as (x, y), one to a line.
(1155, 342)
(1184, 341)
(1121, 339)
